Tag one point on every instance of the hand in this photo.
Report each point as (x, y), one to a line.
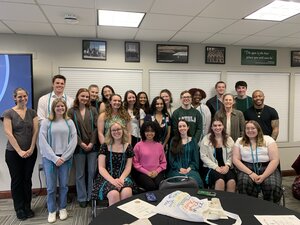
(22, 154)
(89, 147)
(259, 179)
(253, 176)
(83, 146)
(184, 171)
(224, 169)
(59, 162)
(154, 174)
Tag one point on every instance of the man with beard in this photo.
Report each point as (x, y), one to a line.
(266, 116)
(215, 103)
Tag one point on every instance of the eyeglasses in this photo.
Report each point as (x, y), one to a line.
(116, 130)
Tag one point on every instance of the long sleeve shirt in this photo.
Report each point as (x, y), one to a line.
(149, 156)
(57, 139)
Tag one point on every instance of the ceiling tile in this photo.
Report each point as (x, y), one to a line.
(190, 37)
(126, 5)
(70, 3)
(117, 32)
(30, 28)
(56, 14)
(164, 22)
(65, 30)
(22, 12)
(154, 35)
(224, 39)
(280, 30)
(207, 25)
(247, 27)
(4, 29)
(233, 9)
(285, 42)
(179, 7)
(255, 40)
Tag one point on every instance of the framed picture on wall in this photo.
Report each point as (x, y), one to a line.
(215, 55)
(172, 53)
(94, 50)
(132, 51)
(295, 58)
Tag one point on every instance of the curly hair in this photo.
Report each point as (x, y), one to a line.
(105, 100)
(153, 126)
(194, 90)
(153, 106)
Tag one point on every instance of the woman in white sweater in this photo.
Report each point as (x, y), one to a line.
(57, 141)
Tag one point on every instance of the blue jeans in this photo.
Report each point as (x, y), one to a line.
(84, 191)
(52, 172)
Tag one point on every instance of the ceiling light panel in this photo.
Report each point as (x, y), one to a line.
(119, 18)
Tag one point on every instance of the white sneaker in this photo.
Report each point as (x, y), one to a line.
(63, 214)
(52, 217)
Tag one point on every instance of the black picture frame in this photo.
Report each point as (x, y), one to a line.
(172, 53)
(215, 55)
(94, 50)
(132, 51)
(295, 58)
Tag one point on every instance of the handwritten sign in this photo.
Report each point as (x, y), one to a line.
(262, 57)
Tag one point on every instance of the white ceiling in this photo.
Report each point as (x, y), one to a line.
(218, 22)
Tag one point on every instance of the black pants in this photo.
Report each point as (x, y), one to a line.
(148, 183)
(20, 170)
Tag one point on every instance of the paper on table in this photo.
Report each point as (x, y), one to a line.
(138, 208)
(278, 219)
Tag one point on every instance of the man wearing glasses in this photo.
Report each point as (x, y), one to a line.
(188, 113)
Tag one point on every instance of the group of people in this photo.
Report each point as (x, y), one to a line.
(227, 142)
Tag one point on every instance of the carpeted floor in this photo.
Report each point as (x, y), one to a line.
(79, 216)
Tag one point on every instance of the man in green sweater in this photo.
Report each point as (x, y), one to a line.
(188, 113)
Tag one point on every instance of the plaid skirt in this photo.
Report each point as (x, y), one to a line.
(270, 187)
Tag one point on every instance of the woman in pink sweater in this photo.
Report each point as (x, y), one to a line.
(149, 158)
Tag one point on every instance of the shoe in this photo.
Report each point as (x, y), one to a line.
(29, 213)
(63, 214)
(21, 215)
(52, 217)
(83, 204)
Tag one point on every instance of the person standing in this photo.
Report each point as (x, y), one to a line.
(106, 92)
(215, 103)
(57, 141)
(94, 96)
(45, 102)
(215, 152)
(242, 100)
(84, 117)
(143, 101)
(191, 115)
(266, 116)
(232, 119)
(168, 99)
(21, 129)
(197, 96)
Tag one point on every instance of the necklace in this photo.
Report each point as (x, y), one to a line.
(259, 112)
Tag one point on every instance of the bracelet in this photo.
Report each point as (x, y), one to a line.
(250, 173)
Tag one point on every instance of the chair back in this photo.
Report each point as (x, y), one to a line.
(178, 182)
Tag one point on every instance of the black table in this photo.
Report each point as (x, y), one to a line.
(245, 206)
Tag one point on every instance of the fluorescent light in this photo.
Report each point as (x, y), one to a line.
(119, 18)
(276, 11)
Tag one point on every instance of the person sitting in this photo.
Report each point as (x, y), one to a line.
(149, 158)
(184, 156)
(256, 157)
(114, 163)
(215, 152)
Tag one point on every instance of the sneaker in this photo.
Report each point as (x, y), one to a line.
(63, 214)
(52, 217)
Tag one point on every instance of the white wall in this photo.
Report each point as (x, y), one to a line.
(50, 53)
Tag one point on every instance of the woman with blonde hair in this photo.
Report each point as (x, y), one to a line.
(114, 163)
(256, 157)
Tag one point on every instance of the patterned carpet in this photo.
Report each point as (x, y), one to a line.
(79, 216)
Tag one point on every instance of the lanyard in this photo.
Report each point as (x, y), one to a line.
(256, 167)
(49, 101)
(50, 133)
(122, 163)
(76, 122)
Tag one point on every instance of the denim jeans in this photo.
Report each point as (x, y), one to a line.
(84, 191)
(52, 173)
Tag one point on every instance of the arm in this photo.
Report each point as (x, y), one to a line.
(128, 127)
(100, 126)
(102, 108)
(42, 108)
(175, 121)
(127, 169)
(162, 161)
(275, 129)
(70, 114)
(205, 154)
(34, 135)
(207, 119)
(136, 160)
(12, 140)
(199, 127)
(241, 123)
(194, 164)
(167, 136)
(103, 171)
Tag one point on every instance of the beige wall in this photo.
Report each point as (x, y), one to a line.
(50, 53)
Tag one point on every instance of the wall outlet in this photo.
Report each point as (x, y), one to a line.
(41, 167)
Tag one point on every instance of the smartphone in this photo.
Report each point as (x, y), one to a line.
(207, 193)
(150, 196)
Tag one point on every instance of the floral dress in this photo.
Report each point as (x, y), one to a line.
(115, 164)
